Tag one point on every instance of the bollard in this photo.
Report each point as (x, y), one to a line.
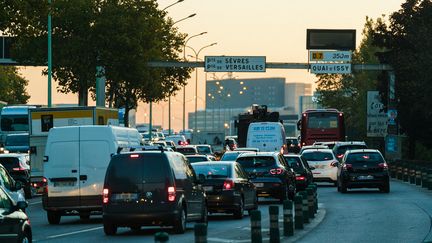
(418, 176)
(298, 213)
(160, 237)
(429, 179)
(399, 172)
(405, 174)
(392, 168)
(200, 230)
(274, 224)
(412, 174)
(310, 200)
(315, 197)
(424, 177)
(255, 217)
(305, 207)
(288, 222)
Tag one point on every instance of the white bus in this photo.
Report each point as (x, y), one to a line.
(14, 119)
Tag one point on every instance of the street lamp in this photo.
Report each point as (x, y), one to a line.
(196, 80)
(184, 88)
(179, 1)
(190, 16)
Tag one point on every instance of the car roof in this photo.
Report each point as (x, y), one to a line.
(196, 155)
(252, 154)
(215, 163)
(315, 146)
(12, 155)
(363, 151)
(292, 155)
(350, 143)
(318, 150)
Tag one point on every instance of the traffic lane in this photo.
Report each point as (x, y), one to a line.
(221, 228)
(366, 215)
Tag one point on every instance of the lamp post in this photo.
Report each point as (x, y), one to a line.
(196, 79)
(184, 88)
(179, 1)
(49, 55)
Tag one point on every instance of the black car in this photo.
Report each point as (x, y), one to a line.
(340, 148)
(365, 168)
(292, 145)
(14, 223)
(273, 176)
(304, 176)
(228, 187)
(17, 143)
(18, 167)
(232, 155)
(187, 149)
(151, 188)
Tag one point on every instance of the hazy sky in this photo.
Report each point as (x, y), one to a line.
(273, 28)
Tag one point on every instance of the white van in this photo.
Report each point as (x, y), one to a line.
(266, 136)
(75, 162)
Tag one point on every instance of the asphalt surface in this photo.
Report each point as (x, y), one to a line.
(367, 215)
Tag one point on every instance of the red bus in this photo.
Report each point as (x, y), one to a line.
(321, 125)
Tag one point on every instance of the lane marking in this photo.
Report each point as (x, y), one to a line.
(74, 232)
(34, 203)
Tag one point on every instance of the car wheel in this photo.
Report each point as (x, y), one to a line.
(335, 183)
(109, 228)
(53, 217)
(239, 213)
(180, 222)
(343, 188)
(25, 237)
(204, 218)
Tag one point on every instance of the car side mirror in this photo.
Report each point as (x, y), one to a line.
(22, 205)
(312, 168)
(18, 185)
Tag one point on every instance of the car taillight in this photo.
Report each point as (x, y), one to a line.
(228, 185)
(105, 197)
(171, 193)
(383, 165)
(18, 169)
(277, 171)
(134, 156)
(300, 178)
(347, 166)
(340, 156)
(44, 180)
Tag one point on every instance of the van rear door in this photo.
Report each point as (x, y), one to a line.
(62, 167)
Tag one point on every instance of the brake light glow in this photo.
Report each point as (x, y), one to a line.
(44, 180)
(277, 171)
(18, 169)
(340, 156)
(171, 193)
(383, 165)
(105, 197)
(134, 156)
(228, 185)
(300, 178)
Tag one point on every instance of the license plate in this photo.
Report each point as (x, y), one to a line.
(369, 177)
(126, 196)
(259, 184)
(63, 183)
(208, 188)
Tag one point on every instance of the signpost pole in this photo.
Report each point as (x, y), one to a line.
(49, 55)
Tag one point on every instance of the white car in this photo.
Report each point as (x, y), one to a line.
(324, 162)
(12, 187)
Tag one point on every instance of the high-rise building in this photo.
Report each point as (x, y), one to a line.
(293, 91)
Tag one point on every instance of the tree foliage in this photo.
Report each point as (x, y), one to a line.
(407, 40)
(13, 87)
(121, 36)
(348, 93)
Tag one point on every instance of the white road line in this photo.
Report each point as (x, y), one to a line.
(74, 233)
(34, 203)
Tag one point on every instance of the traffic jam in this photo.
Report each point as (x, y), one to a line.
(130, 180)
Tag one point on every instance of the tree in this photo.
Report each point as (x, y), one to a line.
(407, 40)
(13, 87)
(121, 36)
(348, 93)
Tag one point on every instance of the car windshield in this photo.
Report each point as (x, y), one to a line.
(323, 120)
(14, 123)
(203, 149)
(195, 159)
(213, 171)
(318, 156)
(9, 162)
(343, 149)
(295, 163)
(17, 140)
(256, 161)
(361, 158)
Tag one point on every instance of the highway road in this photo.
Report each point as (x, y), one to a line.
(358, 216)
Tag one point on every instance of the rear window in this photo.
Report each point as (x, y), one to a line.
(17, 140)
(258, 161)
(344, 148)
(197, 159)
(186, 150)
(318, 156)
(294, 162)
(203, 150)
(230, 156)
(361, 158)
(213, 171)
(9, 162)
(150, 168)
(292, 141)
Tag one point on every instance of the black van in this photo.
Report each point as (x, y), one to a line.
(151, 188)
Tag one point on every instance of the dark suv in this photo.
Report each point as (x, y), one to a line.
(363, 168)
(18, 167)
(273, 176)
(151, 188)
